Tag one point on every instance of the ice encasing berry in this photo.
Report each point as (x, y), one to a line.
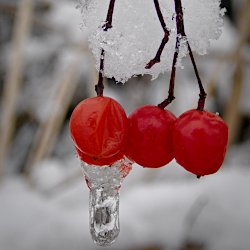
(98, 128)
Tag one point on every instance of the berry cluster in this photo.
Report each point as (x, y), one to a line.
(150, 136)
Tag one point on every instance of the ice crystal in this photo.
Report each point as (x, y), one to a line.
(104, 183)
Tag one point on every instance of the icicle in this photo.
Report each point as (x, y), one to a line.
(104, 183)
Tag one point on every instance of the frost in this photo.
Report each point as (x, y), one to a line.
(136, 33)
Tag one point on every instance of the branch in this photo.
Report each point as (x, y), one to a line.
(165, 39)
(99, 87)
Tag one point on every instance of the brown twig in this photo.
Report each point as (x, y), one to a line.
(47, 133)
(14, 77)
(233, 115)
(99, 87)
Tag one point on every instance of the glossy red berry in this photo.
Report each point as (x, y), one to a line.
(200, 141)
(98, 128)
(150, 136)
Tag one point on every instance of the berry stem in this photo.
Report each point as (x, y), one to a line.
(203, 94)
(165, 39)
(99, 87)
(171, 96)
(181, 33)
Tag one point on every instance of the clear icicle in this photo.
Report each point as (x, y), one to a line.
(104, 183)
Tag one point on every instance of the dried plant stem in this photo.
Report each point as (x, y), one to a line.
(99, 87)
(232, 115)
(14, 77)
(48, 131)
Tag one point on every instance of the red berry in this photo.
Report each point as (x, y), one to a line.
(150, 136)
(98, 128)
(200, 141)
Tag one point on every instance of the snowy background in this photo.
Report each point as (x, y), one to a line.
(46, 68)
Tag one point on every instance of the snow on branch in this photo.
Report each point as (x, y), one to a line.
(134, 38)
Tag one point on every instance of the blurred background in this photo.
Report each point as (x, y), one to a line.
(46, 68)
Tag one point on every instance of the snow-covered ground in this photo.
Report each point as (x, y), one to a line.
(213, 211)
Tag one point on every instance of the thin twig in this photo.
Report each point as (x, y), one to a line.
(165, 39)
(99, 87)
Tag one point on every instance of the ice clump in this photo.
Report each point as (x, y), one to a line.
(104, 183)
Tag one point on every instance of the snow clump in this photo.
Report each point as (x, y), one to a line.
(136, 33)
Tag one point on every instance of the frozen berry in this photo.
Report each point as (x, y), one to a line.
(98, 128)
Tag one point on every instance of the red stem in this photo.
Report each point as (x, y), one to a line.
(99, 87)
(203, 94)
(171, 96)
(181, 33)
(165, 39)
